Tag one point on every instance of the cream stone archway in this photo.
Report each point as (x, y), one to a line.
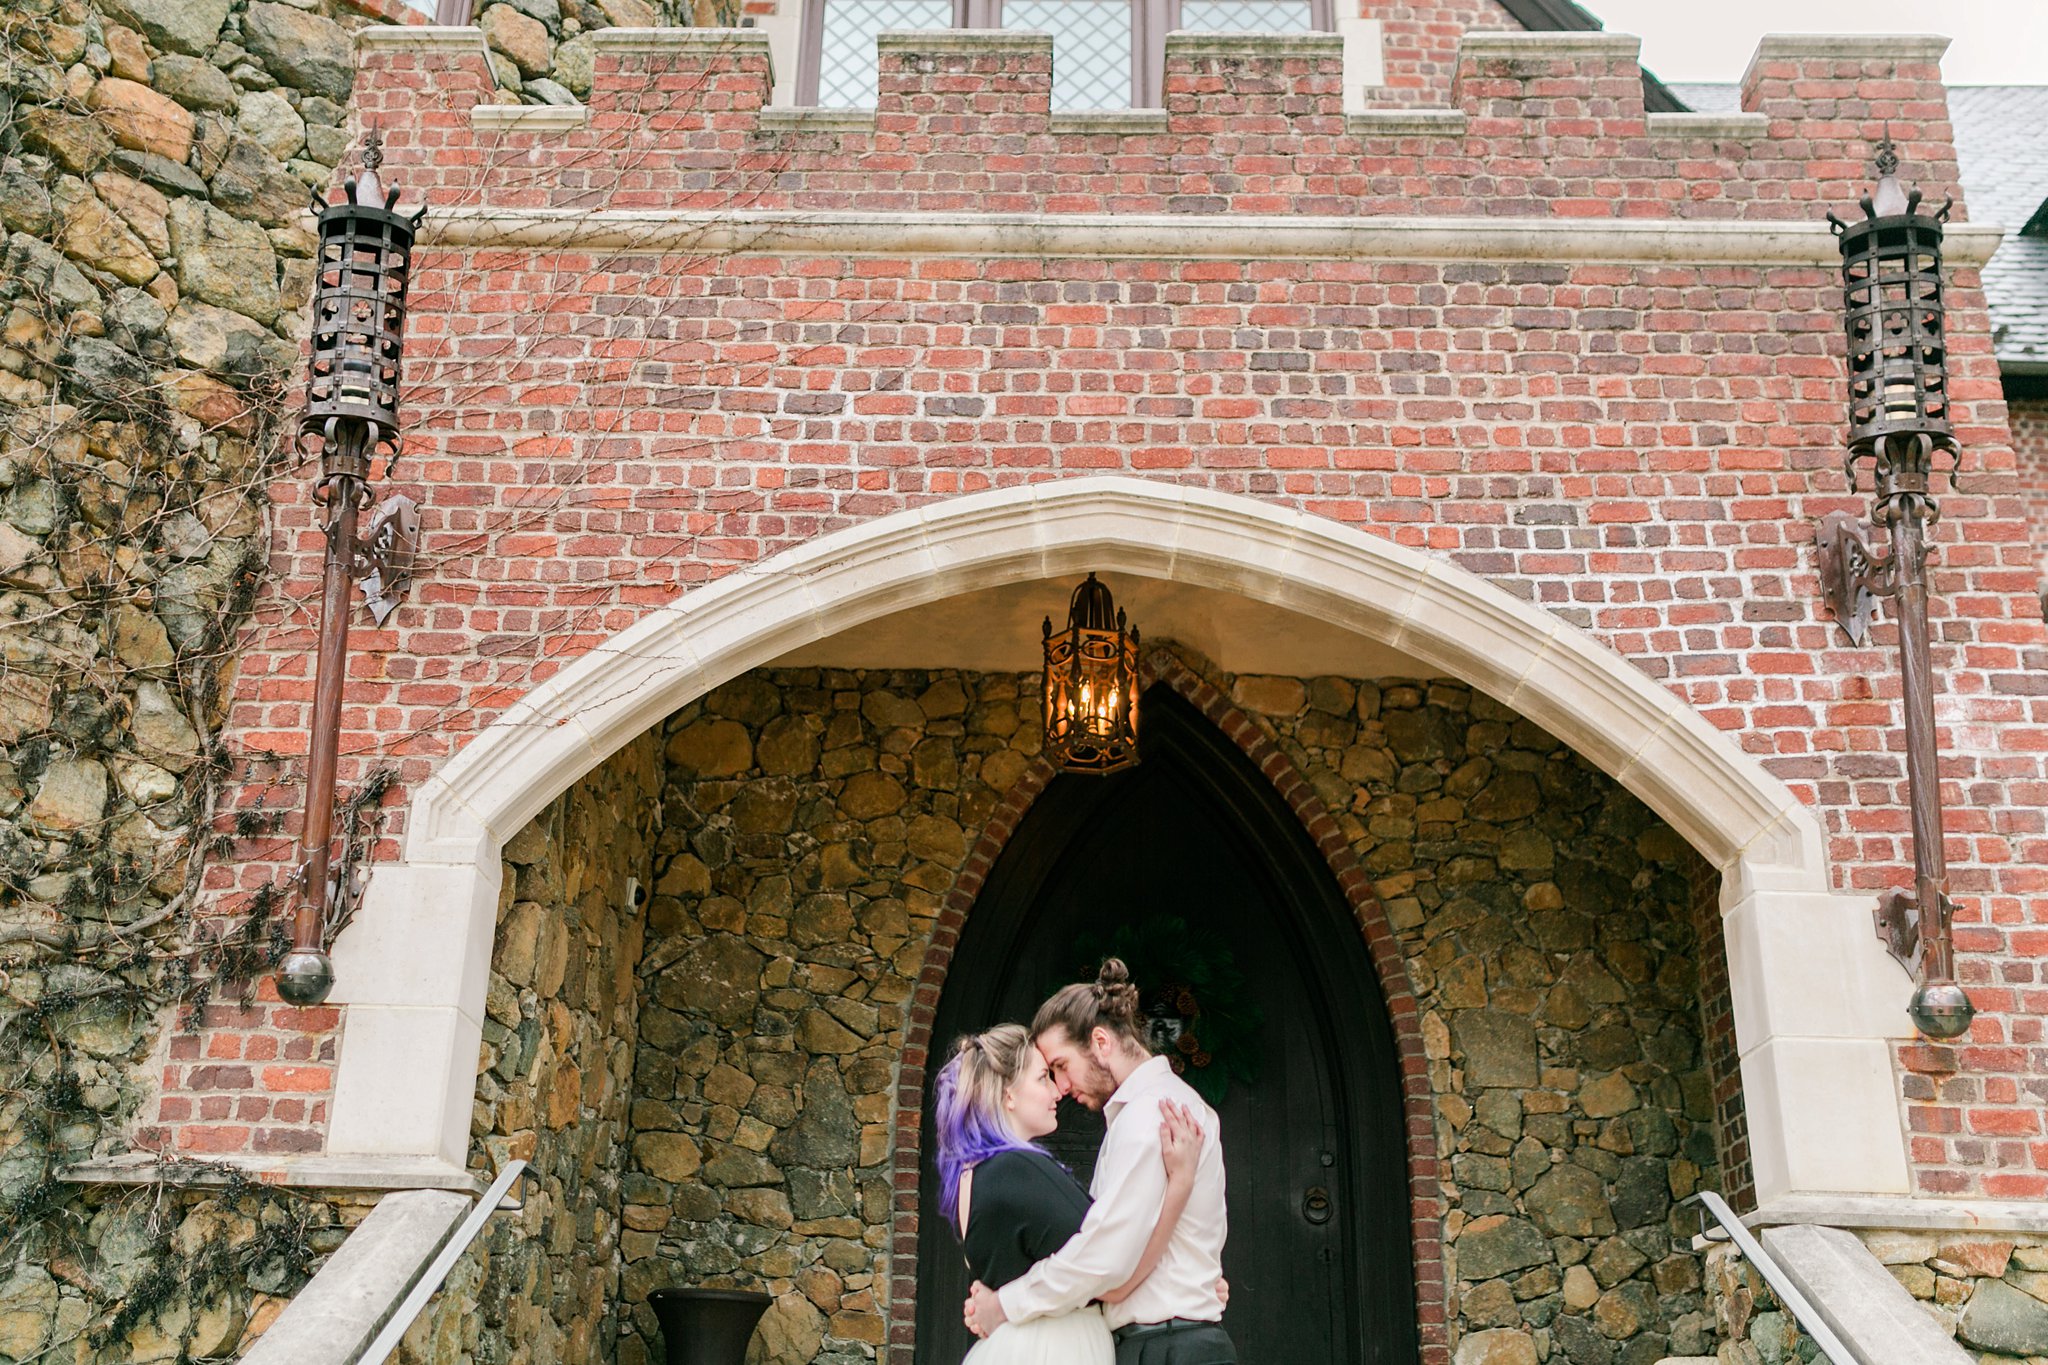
(1815, 998)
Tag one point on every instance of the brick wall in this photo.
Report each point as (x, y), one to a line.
(1642, 449)
(2030, 446)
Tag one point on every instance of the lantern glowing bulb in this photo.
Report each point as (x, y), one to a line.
(1091, 685)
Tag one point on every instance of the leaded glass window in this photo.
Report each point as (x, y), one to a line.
(1091, 48)
(846, 50)
(1247, 16)
(1106, 54)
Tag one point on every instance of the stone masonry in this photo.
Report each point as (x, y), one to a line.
(810, 826)
(1639, 446)
(1988, 1291)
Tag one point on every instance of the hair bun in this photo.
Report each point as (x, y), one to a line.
(1119, 997)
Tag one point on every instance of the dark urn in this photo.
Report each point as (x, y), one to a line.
(708, 1326)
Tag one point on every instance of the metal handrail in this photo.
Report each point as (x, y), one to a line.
(444, 1261)
(1802, 1309)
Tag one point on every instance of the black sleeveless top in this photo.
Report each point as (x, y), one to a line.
(1022, 1207)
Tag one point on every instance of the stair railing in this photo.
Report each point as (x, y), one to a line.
(494, 1200)
(1803, 1312)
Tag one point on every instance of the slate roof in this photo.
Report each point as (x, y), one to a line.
(2002, 148)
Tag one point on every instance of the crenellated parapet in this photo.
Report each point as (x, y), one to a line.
(1547, 126)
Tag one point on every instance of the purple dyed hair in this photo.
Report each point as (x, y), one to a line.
(967, 1107)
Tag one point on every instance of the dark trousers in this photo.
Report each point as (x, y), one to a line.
(1203, 1344)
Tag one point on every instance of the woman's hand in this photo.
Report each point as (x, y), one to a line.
(1180, 1142)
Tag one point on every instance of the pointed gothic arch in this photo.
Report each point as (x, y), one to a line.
(1816, 1068)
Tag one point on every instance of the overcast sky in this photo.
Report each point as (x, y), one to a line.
(1997, 42)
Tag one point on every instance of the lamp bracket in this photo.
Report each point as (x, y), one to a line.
(385, 563)
(1898, 926)
(1852, 575)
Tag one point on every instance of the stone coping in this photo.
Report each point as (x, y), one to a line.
(677, 39)
(1921, 46)
(311, 1172)
(528, 118)
(1903, 1214)
(963, 40)
(421, 37)
(793, 118)
(1710, 125)
(1575, 43)
(1124, 121)
(1195, 44)
(1170, 236)
(1406, 123)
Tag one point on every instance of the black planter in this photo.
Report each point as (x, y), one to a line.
(708, 1326)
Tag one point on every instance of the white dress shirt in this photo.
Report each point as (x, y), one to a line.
(1129, 1189)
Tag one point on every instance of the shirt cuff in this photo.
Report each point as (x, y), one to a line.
(1015, 1308)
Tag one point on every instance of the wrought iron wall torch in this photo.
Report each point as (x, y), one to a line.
(1899, 421)
(350, 421)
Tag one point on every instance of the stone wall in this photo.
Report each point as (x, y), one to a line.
(1989, 1292)
(119, 1274)
(155, 158)
(814, 820)
(555, 1077)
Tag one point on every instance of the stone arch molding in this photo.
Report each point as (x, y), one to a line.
(1816, 1000)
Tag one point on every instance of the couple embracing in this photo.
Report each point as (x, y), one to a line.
(1130, 1270)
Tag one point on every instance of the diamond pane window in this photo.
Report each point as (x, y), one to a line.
(846, 58)
(1247, 16)
(1091, 48)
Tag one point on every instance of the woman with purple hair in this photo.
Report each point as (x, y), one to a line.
(1013, 1205)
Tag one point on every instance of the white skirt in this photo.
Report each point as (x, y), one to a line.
(1077, 1338)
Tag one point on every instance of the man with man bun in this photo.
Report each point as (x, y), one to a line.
(1094, 1042)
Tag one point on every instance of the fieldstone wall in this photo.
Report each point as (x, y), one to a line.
(155, 157)
(815, 818)
(162, 1273)
(1989, 1292)
(555, 1076)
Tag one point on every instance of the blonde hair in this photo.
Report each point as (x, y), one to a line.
(970, 1120)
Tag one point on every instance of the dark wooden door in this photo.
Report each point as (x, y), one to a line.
(1319, 1252)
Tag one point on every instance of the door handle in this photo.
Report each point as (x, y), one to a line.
(1315, 1205)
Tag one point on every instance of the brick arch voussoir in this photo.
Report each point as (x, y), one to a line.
(1425, 1191)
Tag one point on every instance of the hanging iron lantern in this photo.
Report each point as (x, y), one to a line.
(351, 418)
(1898, 420)
(1091, 685)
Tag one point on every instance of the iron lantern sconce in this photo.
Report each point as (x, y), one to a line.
(1091, 685)
(1899, 421)
(350, 420)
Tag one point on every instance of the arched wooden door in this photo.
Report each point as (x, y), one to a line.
(1319, 1256)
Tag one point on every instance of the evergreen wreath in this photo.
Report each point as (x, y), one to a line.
(1192, 995)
